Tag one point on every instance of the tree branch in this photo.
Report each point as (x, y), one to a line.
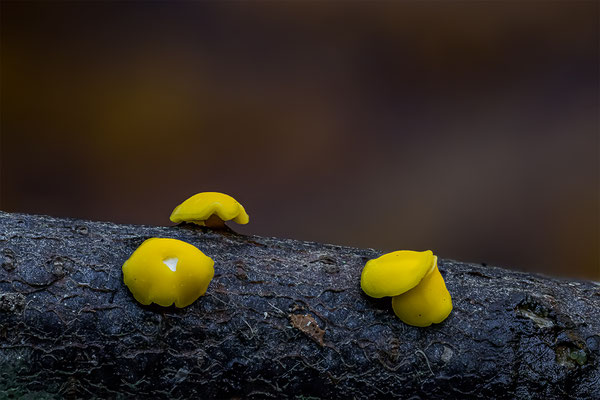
(281, 319)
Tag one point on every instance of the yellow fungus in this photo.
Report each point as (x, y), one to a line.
(428, 302)
(395, 273)
(167, 271)
(210, 209)
(413, 279)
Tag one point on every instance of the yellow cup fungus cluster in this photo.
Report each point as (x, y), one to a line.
(169, 271)
(210, 209)
(413, 280)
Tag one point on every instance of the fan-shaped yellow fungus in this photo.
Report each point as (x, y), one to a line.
(428, 302)
(395, 273)
(210, 209)
(413, 279)
(167, 271)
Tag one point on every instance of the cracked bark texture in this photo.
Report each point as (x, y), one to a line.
(281, 319)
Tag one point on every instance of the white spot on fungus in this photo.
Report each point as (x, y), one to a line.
(171, 263)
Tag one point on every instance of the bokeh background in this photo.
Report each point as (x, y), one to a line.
(470, 128)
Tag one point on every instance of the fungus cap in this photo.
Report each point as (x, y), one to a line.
(167, 271)
(200, 207)
(428, 302)
(395, 273)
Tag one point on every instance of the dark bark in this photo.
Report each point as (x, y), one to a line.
(70, 328)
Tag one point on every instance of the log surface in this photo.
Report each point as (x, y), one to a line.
(281, 319)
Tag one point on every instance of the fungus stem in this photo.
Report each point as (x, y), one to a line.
(214, 222)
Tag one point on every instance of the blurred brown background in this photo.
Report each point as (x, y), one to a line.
(470, 128)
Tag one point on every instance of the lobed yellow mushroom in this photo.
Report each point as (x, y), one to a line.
(413, 280)
(210, 209)
(167, 271)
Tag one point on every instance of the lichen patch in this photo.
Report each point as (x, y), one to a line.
(570, 356)
(535, 309)
(540, 321)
